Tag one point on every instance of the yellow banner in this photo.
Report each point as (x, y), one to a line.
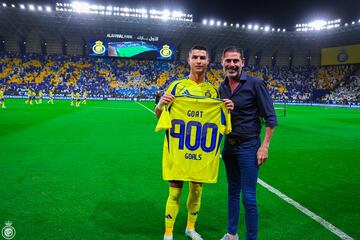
(340, 55)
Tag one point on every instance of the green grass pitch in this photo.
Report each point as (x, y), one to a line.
(94, 172)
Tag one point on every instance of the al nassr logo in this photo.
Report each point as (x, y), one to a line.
(165, 51)
(99, 47)
(342, 56)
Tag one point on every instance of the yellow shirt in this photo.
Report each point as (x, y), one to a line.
(1, 93)
(77, 96)
(191, 148)
(189, 87)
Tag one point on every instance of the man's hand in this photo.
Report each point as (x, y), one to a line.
(229, 104)
(262, 154)
(164, 100)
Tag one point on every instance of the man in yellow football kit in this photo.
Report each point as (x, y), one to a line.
(29, 99)
(194, 85)
(2, 100)
(51, 96)
(33, 97)
(77, 99)
(84, 98)
(72, 98)
(40, 94)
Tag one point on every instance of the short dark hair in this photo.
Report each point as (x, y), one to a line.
(234, 49)
(199, 47)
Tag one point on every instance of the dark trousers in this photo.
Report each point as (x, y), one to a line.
(242, 172)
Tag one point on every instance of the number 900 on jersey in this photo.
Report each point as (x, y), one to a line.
(196, 131)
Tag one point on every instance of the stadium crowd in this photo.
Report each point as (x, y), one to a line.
(124, 78)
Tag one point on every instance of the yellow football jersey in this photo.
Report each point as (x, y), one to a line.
(51, 93)
(40, 93)
(191, 148)
(1, 93)
(84, 95)
(29, 93)
(77, 96)
(189, 87)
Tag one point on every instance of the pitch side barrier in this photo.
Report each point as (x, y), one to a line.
(355, 105)
(87, 98)
(57, 97)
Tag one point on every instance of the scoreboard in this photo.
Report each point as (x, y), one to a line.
(132, 49)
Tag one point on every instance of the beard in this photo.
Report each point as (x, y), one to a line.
(232, 72)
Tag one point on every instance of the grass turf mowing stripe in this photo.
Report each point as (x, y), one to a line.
(330, 227)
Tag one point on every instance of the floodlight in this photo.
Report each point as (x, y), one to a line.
(225, 24)
(166, 12)
(237, 25)
(273, 29)
(4, 4)
(256, 27)
(317, 24)
(12, 5)
(249, 26)
(204, 21)
(94, 7)
(243, 26)
(109, 8)
(177, 14)
(284, 30)
(40, 8)
(218, 23)
(346, 24)
(164, 17)
(80, 6)
(267, 28)
(352, 22)
(31, 7)
(48, 8)
(278, 29)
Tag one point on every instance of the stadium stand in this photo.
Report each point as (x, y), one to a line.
(143, 78)
(43, 54)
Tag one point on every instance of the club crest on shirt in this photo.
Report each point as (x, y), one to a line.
(207, 93)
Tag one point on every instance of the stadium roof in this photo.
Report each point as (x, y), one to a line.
(277, 13)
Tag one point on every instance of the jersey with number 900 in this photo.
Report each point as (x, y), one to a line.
(195, 128)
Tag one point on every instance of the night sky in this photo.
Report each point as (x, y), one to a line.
(276, 13)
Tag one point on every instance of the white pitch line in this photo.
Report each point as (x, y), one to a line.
(145, 107)
(304, 210)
